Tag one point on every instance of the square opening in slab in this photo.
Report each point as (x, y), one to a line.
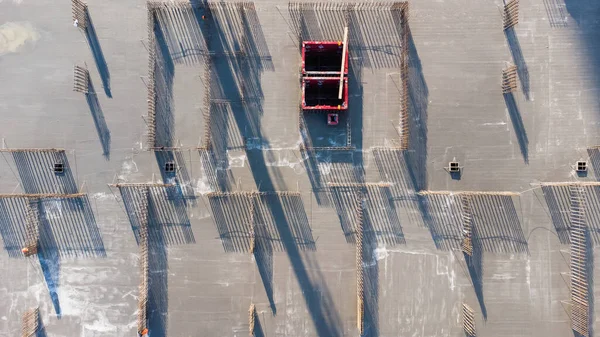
(170, 166)
(453, 166)
(581, 166)
(59, 168)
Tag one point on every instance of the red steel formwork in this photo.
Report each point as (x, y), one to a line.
(323, 58)
(322, 74)
(321, 93)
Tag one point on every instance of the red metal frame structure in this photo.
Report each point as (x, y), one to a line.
(322, 75)
(319, 58)
(322, 93)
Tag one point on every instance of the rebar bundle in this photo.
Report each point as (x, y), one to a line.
(327, 148)
(467, 215)
(33, 150)
(382, 184)
(32, 225)
(252, 194)
(30, 322)
(251, 224)
(81, 79)
(579, 277)
(509, 79)
(471, 193)
(404, 118)
(142, 211)
(468, 320)
(141, 185)
(79, 10)
(206, 111)
(151, 118)
(360, 272)
(43, 195)
(511, 13)
(251, 318)
(360, 6)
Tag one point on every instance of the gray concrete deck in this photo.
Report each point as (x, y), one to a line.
(302, 278)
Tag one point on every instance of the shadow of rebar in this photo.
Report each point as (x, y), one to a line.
(49, 259)
(36, 172)
(519, 59)
(69, 223)
(263, 254)
(238, 84)
(475, 266)
(169, 214)
(371, 281)
(594, 157)
(92, 38)
(158, 289)
(96, 110)
(418, 101)
(163, 82)
(41, 331)
(498, 225)
(517, 121)
(557, 200)
(444, 220)
(557, 14)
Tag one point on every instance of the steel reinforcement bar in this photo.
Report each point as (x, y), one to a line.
(32, 227)
(360, 272)
(509, 79)
(142, 213)
(30, 322)
(511, 13)
(472, 193)
(468, 320)
(33, 150)
(251, 193)
(79, 11)
(151, 116)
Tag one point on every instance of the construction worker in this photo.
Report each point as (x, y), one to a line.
(25, 250)
(144, 332)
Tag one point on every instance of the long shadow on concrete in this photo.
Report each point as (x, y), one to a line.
(168, 224)
(519, 59)
(517, 121)
(163, 81)
(222, 20)
(49, 258)
(158, 288)
(371, 281)
(96, 110)
(92, 38)
(475, 266)
(41, 332)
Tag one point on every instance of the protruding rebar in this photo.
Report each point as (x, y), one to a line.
(511, 13)
(30, 322)
(81, 79)
(79, 10)
(509, 79)
(468, 320)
